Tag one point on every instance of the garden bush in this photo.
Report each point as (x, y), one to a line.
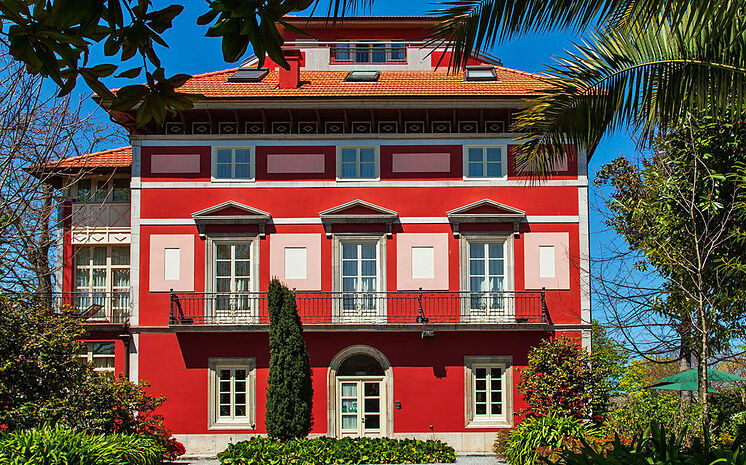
(324, 450)
(545, 437)
(60, 446)
(654, 446)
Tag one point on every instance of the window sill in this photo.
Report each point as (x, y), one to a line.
(358, 179)
(485, 178)
(225, 426)
(229, 181)
(484, 424)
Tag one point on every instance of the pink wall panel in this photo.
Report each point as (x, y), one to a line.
(175, 163)
(295, 163)
(158, 245)
(561, 243)
(404, 244)
(312, 244)
(421, 162)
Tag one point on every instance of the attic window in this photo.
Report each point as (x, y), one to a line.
(248, 75)
(480, 73)
(362, 76)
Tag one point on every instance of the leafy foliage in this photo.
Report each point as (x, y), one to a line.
(289, 388)
(58, 445)
(654, 446)
(546, 437)
(561, 378)
(43, 382)
(259, 451)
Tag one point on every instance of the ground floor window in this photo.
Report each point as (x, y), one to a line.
(100, 355)
(232, 394)
(488, 391)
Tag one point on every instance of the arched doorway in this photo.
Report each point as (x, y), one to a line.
(360, 401)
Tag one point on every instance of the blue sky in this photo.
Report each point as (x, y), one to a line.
(191, 52)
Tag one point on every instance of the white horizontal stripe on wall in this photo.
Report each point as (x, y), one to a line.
(388, 184)
(403, 220)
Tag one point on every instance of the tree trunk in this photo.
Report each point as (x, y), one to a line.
(685, 363)
(702, 374)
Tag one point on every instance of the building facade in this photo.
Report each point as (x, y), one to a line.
(379, 188)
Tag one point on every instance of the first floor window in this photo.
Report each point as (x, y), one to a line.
(488, 396)
(102, 280)
(232, 263)
(99, 190)
(100, 355)
(486, 273)
(232, 386)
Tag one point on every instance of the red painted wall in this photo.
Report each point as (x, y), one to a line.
(428, 374)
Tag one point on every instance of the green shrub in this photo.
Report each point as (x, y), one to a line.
(59, 446)
(654, 446)
(289, 388)
(259, 451)
(546, 437)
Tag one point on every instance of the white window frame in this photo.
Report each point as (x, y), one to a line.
(376, 162)
(380, 241)
(97, 183)
(503, 420)
(210, 267)
(122, 295)
(214, 164)
(215, 422)
(90, 355)
(503, 161)
(504, 237)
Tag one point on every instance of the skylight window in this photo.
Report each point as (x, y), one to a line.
(480, 73)
(248, 75)
(362, 76)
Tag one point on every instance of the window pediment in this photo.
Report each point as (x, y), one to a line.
(357, 212)
(231, 212)
(485, 211)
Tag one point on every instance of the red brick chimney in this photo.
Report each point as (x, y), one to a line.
(290, 78)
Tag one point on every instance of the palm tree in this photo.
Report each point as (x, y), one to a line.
(647, 64)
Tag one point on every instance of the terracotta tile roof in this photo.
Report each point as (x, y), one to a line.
(113, 158)
(510, 82)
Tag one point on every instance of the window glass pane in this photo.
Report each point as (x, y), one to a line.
(243, 268)
(120, 255)
(223, 251)
(493, 154)
(497, 409)
(349, 156)
(494, 170)
(480, 373)
(496, 268)
(349, 284)
(476, 250)
(121, 278)
(224, 172)
(476, 154)
(477, 284)
(242, 251)
(496, 284)
(349, 170)
(496, 250)
(104, 348)
(367, 170)
(398, 52)
(349, 250)
(476, 267)
(82, 277)
(368, 251)
(225, 156)
(367, 155)
(243, 171)
(102, 191)
(368, 268)
(342, 52)
(476, 170)
(121, 190)
(349, 390)
(379, 53)
(84, 190)
(99, 256)
(362, 53)
(349, 268)
(223, 285)
(243, 156)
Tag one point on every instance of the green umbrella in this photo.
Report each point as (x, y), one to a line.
(687, 380)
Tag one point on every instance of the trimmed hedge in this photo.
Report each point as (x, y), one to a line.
(59, 446)
(324, 450)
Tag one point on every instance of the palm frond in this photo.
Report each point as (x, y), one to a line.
(467, 27)
(647, 78)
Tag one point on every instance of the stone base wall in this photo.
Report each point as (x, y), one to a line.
(208, 445)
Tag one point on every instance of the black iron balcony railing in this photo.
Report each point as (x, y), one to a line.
(369, 308)
(95, 307)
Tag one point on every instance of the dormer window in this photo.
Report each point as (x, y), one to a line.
(480, 73)
(381, 52)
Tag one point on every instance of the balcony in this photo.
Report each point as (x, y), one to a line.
(95, 308)
(373, 309)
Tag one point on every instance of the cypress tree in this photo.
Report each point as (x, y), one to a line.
(289, 388)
